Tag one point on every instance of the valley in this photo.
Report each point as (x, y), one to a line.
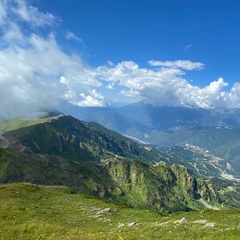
(216, 131)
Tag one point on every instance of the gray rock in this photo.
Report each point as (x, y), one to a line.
(120, 225)
(104, 211)
(132, 224)
(200, 221)
(107, 221)
(183, 221)
(209, 225)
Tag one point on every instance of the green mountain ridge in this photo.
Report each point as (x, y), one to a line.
(81, 141)
(94, 160)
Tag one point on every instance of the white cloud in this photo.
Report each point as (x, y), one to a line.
(215, 87)
(130, 75)
(110, 85)
(235, 95)
(31, 14)
(188, 46)
(72, 36)
(130, 93)
(166, 86)
(182, 64)
(69, 95)
(93, 99)
(31, 64)
(13, 34)
(63, 80)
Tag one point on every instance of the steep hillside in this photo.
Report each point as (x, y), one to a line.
(76, 140)
(88, 178)
(135, 183)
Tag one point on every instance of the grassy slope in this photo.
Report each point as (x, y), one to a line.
(40, 212)
(19, 123)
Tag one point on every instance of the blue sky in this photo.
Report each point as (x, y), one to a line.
(112, 52)
(119, 30)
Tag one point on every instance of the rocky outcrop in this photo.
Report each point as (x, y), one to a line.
(161, 187)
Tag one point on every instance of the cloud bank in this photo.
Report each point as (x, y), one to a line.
(36, 73)
(165, 85)
(33, 64)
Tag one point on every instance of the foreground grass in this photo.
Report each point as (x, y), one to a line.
(43, 212)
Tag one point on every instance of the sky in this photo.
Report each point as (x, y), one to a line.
(109, 53)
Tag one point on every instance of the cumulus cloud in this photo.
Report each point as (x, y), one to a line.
(93, 98)
(35, 72)
(165, 86)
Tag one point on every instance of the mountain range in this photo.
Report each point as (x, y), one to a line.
(91, 159)
(216, 131)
